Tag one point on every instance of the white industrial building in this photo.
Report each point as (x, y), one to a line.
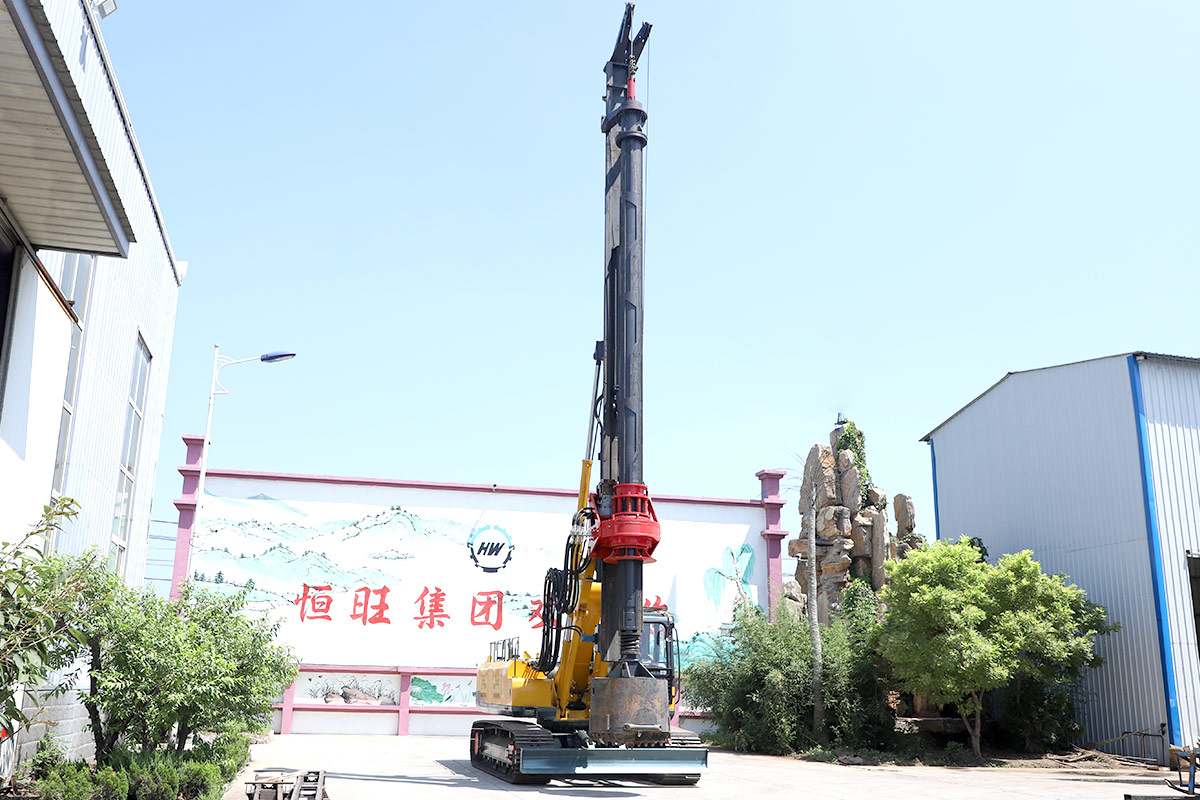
(1095, 467)
(88, 291)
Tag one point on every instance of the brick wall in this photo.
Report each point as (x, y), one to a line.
(66, 719)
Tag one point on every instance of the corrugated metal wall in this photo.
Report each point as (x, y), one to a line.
(1048, 461)
(132, 296)
(1171, 397)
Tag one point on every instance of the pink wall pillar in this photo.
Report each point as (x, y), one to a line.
(187, 513)
(773, 533)
(289, 704)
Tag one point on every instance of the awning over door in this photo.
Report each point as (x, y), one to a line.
(54, 181)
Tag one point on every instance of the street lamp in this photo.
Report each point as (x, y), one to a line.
(215, 388)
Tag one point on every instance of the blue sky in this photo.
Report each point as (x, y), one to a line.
(869, 208)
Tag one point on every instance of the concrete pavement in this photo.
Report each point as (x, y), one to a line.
(434, 767)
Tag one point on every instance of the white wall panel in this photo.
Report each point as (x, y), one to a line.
(132, 296)
(1171, 396)
(1048, 461)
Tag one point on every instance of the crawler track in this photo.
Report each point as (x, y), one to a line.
(496, 747)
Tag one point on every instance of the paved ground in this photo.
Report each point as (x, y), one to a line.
(434, 767)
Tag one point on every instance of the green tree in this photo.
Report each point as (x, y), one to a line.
(234, 669)
(219, 577)
(156, 665)
(38, 627)
(957, 627)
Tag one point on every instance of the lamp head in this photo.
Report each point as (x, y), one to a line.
(276, 355)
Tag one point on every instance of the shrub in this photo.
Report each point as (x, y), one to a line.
(157, 782)
(50, 787)
(199, 780)
(111, 784)
(759, 690)
(855, 705)
(47, 760)
(67, 781)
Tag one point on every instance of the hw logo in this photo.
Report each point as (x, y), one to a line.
(491, 548)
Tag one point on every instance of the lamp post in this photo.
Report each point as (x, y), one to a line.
(215, 388)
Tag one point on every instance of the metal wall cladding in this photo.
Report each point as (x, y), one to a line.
(130, 297)
(1171, 397)
(1048, 461)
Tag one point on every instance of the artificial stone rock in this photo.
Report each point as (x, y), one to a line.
(861, 568)
(906, 520)
(851, 489)
(833, 522)
(879, 550)
(819, 477)
(792, 590)
(877, 497)
(840, 562)
(860, 536)
(845, 460)
(793, 609)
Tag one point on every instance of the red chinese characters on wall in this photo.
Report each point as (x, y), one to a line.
(314, 602)
(362, 604)
(433, 609)
(370, 606)
(487, 609)
(535, 614)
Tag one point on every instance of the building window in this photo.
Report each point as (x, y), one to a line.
(135, 411)
(75, 282)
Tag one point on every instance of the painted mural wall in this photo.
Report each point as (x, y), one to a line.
(371, 575)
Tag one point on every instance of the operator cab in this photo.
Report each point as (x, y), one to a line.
(658, 652)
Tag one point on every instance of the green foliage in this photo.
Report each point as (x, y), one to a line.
(957, 628)
(111, 784)
(852, 439)
(759, 690)
(855, 704)
(38, 626)
(151, 775)
(48, 758)
(68, 781)
(200, 780)
(195, 663)
(758, 686)
(159, 781)
(229, 751)
(219, 577)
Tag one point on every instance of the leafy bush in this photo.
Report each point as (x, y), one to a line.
(67, 781)
(855, 704)
(200, 780)
(47, 760)
(759, 690)
(157, 782)
(50, 787)
(111, 784)
(39, 623)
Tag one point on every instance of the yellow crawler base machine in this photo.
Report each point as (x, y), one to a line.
(599, 697)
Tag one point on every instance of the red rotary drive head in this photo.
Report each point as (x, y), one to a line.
(632, 532)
